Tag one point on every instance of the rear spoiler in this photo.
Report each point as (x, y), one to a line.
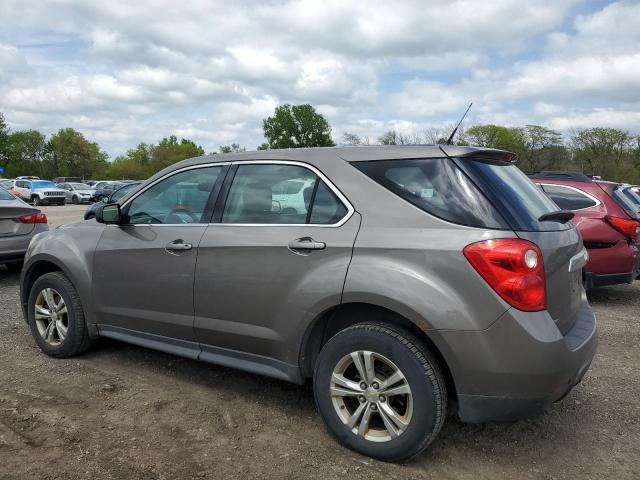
(486, 155)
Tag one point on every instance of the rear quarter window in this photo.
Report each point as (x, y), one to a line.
(568, 198)
(437, 186)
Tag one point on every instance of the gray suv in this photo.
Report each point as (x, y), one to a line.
(406, 282)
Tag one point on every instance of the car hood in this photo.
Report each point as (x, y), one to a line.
(54, 190)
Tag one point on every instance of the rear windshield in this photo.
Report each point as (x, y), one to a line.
(516, 197)
(437, 186)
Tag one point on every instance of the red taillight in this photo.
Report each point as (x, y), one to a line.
(33, 218)
(513, 268)
(629, 228)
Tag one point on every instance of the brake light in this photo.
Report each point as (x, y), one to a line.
(513, 268)
(629, 228)
(33, 218)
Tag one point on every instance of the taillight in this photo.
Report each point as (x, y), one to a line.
(513, 268)
(629, 228)
(33, 218)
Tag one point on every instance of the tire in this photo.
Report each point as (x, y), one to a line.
(424, 408)
(75, 200)
(14, 267)
(76, 340)
(36, 201)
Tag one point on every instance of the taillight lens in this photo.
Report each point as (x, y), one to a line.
(513, 268)
(629, 228)
(33, 218)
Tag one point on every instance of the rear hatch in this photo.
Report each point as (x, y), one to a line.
(10, 212)
(522, 203)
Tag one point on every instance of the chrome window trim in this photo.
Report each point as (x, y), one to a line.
(322, 176)
(590, 197)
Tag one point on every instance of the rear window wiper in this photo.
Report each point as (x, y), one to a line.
(562, 216)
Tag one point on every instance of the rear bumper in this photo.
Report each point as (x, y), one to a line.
(520, 365)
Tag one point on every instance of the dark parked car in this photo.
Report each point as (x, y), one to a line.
(405, 281)
(606, 221)
(102, 190)
(19, 222)
(113, 198)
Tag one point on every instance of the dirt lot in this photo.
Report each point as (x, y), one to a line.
(126, 412)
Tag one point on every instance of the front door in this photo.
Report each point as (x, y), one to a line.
(144, 268)
(276, 257)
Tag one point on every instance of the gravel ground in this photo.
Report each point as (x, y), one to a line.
(121, 411)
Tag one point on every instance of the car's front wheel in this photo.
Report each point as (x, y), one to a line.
(380, 391)
(36, 201)
(56, 317)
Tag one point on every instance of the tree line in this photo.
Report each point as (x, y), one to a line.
(611, 153)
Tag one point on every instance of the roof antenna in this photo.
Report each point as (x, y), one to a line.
(450, 139)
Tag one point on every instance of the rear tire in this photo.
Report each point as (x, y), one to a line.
(75, 200)
(401, 424)
(65, 333)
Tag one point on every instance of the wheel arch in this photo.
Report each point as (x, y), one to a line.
(34, 270)
(339, 317)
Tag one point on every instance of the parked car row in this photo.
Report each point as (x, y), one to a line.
(46, 192)
(405, 282)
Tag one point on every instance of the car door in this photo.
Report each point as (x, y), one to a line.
(22, 187)
(144, 268)
(266, 269)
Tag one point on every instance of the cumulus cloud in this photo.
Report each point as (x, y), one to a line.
(124, 72)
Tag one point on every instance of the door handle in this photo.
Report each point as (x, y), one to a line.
(178, 245)
(306, 243)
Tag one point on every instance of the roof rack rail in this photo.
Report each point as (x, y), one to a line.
(558, 175)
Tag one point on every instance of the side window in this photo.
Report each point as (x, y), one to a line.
(327, 208)
(180, 198)
(568, 198)
(269, 194)
(280, 194)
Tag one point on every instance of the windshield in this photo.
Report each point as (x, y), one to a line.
(80, 186)
(516, 197)
(42, 184)
(118, 194)
(4, 195)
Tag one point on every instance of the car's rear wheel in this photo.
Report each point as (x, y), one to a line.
(75, 200)
(56, 317)
(380, 391)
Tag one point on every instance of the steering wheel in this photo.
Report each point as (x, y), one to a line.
(182, 210)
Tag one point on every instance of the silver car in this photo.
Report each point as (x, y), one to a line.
(77, 192)
(407, 282)
(19, 222)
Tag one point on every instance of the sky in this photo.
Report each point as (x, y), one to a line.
(124, 72)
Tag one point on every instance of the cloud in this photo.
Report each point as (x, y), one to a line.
(124, 72)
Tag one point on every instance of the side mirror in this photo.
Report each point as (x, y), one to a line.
(109, 214)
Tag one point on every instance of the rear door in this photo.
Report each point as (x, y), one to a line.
(272, 261)
(522, 203)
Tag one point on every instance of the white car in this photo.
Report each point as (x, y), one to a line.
(40, 192)
(77, 192)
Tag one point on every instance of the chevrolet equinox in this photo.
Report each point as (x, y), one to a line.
(406, 282)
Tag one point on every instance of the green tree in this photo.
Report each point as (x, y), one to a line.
(541, 148)
(603, 151)
(297, 126)
(135, 165)
(233, 148)
(25, 153)
(495, 136)
(73, 155)
(170, 151)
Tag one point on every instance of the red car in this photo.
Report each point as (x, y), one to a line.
(608, 223)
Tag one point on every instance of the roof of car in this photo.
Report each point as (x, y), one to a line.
(354, 154)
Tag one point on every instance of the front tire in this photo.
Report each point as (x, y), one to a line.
(56, 317)
(380, 391)
(36, 201)
(75, 200)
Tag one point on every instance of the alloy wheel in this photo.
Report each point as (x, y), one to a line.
(51, 316)
(371, 396)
